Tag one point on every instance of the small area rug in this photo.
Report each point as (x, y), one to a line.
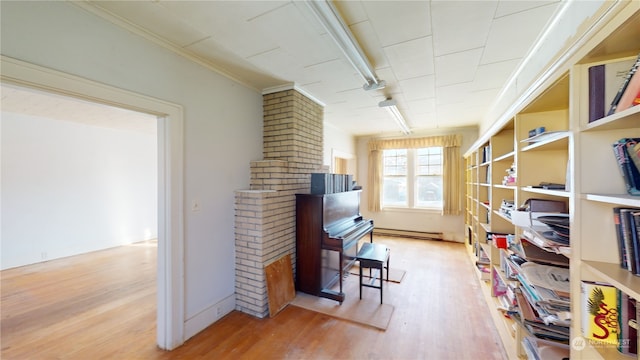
(367, 311)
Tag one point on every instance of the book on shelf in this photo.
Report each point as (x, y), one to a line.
(545, 238)
(599, 303)
(634, 222)
(537, 320)
(627, 223)
(630, 93)
(622, 246)
(484, 271)
(546, 289)
(630, 173)
(623, 86)
(509, 265)
(498, 287)
(539, 255)
(627, 335)
(326, 183)
(550, 277)
(482, 256)
(605, 81)
(486, 154)
(633, 149)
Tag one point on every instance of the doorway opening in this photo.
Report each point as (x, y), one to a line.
(170, 267)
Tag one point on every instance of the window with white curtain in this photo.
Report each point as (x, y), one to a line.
(412, 178)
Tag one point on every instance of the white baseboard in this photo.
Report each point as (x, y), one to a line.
(208, 316)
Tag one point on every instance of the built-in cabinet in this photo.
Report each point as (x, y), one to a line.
(574, 152)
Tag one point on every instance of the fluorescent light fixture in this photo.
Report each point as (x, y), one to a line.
(328, 15)
(390, 105)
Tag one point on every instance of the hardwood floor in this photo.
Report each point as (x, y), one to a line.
(102, 306)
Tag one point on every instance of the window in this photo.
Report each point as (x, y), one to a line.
(394, 188)
(412, 178)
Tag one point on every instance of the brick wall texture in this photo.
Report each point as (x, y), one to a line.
(265, 213)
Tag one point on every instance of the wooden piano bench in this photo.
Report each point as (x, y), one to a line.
(373, 256)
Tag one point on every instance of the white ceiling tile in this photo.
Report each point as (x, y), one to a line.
(268, 43)
(461, 25)
(422, 106)
(506, 44)
(482, 98)
(342, 77)
(399, 21)
(494, 75)
(452, 94)
(217, 21)
(457, 67)
(279, 24)
(233, 64)
(508, 7)
(413, 58)
(419, 88)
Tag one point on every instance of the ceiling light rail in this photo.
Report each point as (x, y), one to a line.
(390, 105)
(330, 18)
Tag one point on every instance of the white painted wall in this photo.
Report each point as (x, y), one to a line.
(337, 143)
(222, 128)
(70, 188)
(451, 226)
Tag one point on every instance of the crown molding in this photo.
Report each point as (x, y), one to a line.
(292, 86)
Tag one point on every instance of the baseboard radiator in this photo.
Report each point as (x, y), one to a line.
(408, 234)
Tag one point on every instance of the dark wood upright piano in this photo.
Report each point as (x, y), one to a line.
(328, 228)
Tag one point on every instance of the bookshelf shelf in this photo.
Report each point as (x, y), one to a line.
(557, 141)
(508, 156)
(610, 352)
(559, 193)
(615, 275)
(502, 216)
(572, 150)
(508, 187)
(486, 247)
(621, 200)
(623, 120)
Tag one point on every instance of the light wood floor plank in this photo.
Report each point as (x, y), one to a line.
(102, 306)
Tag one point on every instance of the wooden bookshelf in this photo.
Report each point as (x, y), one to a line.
(577, 153)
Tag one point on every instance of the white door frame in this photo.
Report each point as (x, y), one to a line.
(170, 271)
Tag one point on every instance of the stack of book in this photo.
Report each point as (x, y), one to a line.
(627, 155)
(322, 183)
(627, 223)
(615, 85)
(543, 301)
